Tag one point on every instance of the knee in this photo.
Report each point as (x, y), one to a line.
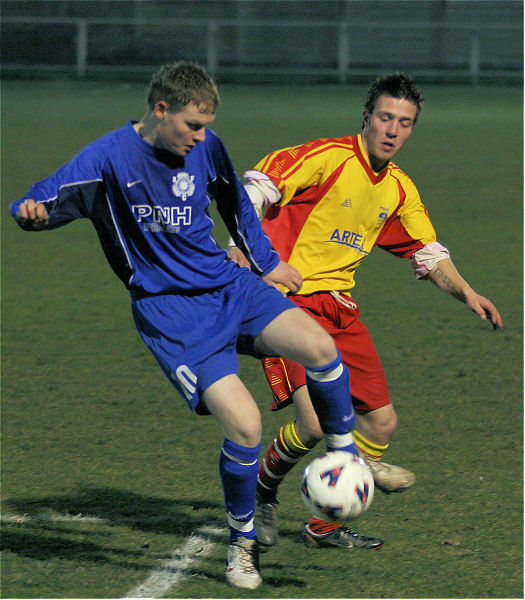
(385, 419)
(232, 405)
(390, 425)
(378, 425)
(322, 350)
(249, 434)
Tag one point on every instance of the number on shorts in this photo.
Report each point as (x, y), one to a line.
(187, 379)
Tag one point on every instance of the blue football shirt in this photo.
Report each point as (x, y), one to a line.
(151, 211)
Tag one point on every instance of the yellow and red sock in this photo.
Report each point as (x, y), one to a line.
(375, 451)
(284, 452)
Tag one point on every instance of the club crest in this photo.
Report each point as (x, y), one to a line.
(183, 185)
(381, 219)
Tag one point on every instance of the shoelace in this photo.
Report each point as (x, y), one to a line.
(247, 559)
(344, 531)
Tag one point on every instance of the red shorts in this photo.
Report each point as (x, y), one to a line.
(339, 316)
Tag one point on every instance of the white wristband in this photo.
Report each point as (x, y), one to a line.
(424, 259)
(262, 191)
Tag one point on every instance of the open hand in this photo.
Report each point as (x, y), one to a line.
(484, 309)
(285, 274)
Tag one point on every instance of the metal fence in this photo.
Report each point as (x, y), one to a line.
(262, 48)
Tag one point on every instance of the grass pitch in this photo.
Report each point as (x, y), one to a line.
(105, 472)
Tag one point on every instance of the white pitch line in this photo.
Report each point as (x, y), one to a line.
(44, 517)
(51, 518)
(170, 572)
(179, 566)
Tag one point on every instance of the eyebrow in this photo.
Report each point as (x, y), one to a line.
(389, 114)
(194, 123)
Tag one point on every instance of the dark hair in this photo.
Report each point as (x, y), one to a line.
(180, 83)
(397, 85)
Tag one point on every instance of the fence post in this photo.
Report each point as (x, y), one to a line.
(474, 60)
(343, 52)
(82, 47)
(211, 50)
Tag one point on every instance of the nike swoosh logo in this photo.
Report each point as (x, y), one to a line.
(132, 183)
(347, 418)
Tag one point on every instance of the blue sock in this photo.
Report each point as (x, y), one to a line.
(238, 468)
(329, 389)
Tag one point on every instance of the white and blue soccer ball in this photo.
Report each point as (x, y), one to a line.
(337, 486)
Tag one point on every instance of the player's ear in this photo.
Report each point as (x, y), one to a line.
(366, 119)
(160, 110)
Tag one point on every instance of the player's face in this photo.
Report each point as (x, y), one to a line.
(179, 132)
(387, 129)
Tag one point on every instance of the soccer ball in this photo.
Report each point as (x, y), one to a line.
(337, 485)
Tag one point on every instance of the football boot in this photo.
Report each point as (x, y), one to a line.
(388, 478)
(265, 520)
(242, 564)
(340, 537)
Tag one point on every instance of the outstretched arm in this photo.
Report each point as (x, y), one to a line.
(446, 277)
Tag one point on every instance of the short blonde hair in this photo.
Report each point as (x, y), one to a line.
(180, 83)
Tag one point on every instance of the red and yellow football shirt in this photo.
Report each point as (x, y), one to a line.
(334, 209)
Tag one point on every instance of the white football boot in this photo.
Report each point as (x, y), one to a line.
(242, 568)
(388, 478)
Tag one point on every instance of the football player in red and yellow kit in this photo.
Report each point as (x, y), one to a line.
(326, 204)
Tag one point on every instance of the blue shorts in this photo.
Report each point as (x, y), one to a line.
(195, 338)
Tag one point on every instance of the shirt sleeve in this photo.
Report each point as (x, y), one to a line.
(297, 168)
(69, 193)
(409, 227)
(239, 215)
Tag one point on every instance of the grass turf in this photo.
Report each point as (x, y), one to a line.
(91, 426)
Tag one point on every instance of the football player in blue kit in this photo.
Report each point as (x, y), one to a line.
(147, 188)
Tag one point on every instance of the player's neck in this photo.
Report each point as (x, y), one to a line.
(377, 165)
(146, 129)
